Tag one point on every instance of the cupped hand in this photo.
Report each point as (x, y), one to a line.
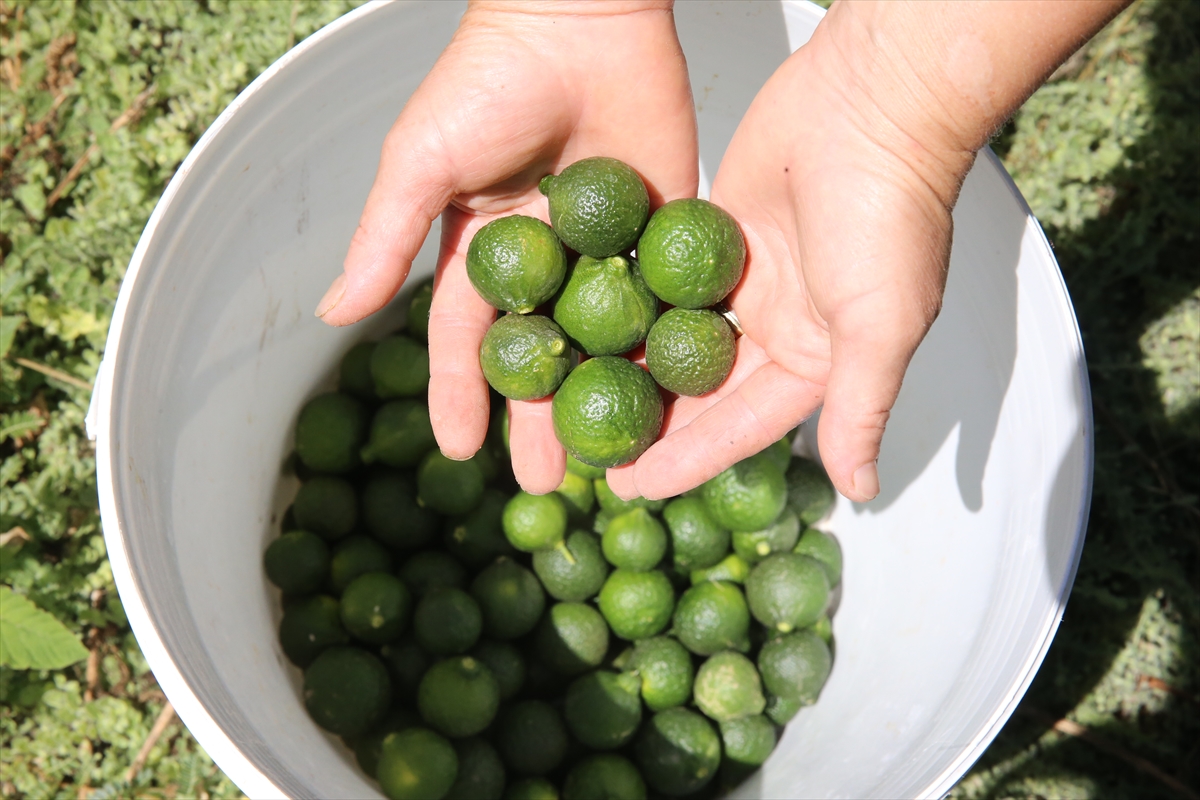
(846, 216)
(520, 92)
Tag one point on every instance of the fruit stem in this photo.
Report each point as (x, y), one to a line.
(562, 548)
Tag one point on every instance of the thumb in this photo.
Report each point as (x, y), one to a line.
(412, 187)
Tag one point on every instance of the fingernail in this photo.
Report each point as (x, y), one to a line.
(333, 295)
(866, 481)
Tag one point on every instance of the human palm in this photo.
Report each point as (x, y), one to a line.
(515, 96)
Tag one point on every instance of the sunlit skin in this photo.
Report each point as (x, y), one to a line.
(842, 175)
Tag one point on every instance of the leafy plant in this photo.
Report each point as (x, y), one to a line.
(32, 639)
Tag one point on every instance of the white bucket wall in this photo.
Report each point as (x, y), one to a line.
(955, 577)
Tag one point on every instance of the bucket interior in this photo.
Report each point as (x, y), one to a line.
(955, 576)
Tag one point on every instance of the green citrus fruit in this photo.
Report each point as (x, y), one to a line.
(795, 666)
(297, 562)
(637, 605)
(391, 513)
(524, 357)
(309, 626)
(458, 697)
(607, 412)
(569, 581)
(787, 591)
(748, 496)
(614, 505)
(634, 541)
(579, 496)
(606, 776)
(478, 537)
(416, 764)
(781, 451)
(825, 549)
(368, 747)
(577, 467)
(598, 206)
(447, 486)
(480, 771)
(692, 253)
(697, 541)
(778, 537)
(531, 789)
(516, 263)
(531, 737)
(678, 751)
(399, 367)
(401, 434)
(603, 709)
(712, 616)
(506, 663)
(510, 598)
(346, 690)
(432, 569)
(330, 431)
(728, 687)
(810, 491)
(747, 743)
(535, 522)
(571, 638)
(327, 506)
(731, 568)
(605, 306)
(354, 556)
(354, 373)
(690, 351)
(375, 607)
(823, 628)
(447, 621)
(665, 669)
(781, 710)
(417, 321)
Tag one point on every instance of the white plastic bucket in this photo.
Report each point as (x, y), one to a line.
(955, 577)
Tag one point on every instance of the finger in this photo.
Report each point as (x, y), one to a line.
(764, 407)
(871, 348)
(538, 460)
(458, 320)
(412, 186)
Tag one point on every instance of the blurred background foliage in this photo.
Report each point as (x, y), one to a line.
(101, 102)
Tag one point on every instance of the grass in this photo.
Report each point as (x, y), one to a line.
(101, 101)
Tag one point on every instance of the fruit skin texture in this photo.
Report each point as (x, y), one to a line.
(748, 496)
(534, 522)
(634, 541)
(825, 549)
(531, 737)
(728, 687)
(572, 582)
(607, 412)
(399, 367)
(516, 263)
(458, 697)
(329, 432)
(637, 605)
(787, 591)
(697, 540)
(690, 351)
(416, 764)
(604, 777)
(778, 537)
(603, 709)
(346, 690)
(747, 743)
(796, 666)
(572, 638)
(524, 357)
(309, 626)
(678, 751)
(297, 562)
(375, 607)
(597, 205)
(810, 491)
(666, 672)
(712, 616)
(605, 305)
(510, 597)
(401, 434)
(692, 253)
(480, 771)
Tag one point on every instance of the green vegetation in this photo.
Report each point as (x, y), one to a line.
(1105, 154)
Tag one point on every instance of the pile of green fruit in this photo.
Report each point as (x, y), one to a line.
(604, 302)
(469, 640)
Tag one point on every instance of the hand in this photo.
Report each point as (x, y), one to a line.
(521, 91)
(843, 175)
